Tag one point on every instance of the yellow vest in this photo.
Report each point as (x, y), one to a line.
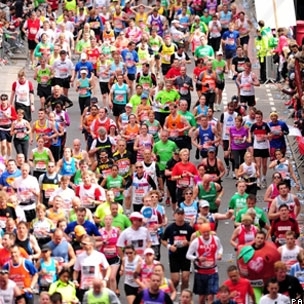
(166, 53)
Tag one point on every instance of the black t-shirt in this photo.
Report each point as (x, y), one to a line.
(7, 212)
(290, 287)
(175, 234)
(239, 63)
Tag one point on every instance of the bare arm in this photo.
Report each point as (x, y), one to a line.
(72, 256)
(234, 237)
(272, 213)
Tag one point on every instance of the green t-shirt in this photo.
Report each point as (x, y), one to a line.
(219, 68)
(165, 96)
(205, 19)
(104, 209)
(260, 215)
(202, 26)
(164, 152)
(204, 51)
(135, 102)
(81, 45)
(115, 182)
(189, 116)
(238, 202)
(120, 221)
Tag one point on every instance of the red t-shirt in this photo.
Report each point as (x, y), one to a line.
(173, 72)
(181, 168)
(197, 71)
(242, 289)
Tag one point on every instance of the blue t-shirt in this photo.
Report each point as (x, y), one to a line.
(89, 227)
(6, 179)
(278, 142)
(231, 39)
(130, 58)
(87, 65)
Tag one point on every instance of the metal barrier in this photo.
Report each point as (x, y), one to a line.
(271, 70)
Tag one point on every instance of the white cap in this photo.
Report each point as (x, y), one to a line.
(204, 203)
(83, 56)
(136, 215)
(149, 250)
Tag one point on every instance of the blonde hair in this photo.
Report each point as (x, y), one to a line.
(21, 73)
(40, 207)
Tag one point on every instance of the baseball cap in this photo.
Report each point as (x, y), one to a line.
(204, 203)
(46, 248)
(219, 53)
(79, 230)
(83, 71)
(211, 149)
(149, 250)
(83, 56)
(129, 105)
(94, 100)
(234, 98)
(176, 151)
(179, 211)
(136, 215)
(144, 96)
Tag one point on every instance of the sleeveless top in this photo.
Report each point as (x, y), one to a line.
(26, 244)
(60, 251)
(50, 276)
(209, 195)
(130, 268)
(205, 136)
(246, 236)
(68, 168)
(247, 88)
(289, 256)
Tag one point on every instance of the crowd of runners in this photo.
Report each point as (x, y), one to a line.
(75, 220)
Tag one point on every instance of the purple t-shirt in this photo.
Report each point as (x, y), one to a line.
(238, 138)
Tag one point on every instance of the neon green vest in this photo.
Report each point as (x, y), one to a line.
(103, 299)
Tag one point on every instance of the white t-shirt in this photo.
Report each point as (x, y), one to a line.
(7, 295)
(138, 238)
(67, 195)
(90, 267)
(24, 188)
(281, 299)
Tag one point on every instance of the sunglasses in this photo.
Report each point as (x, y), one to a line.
(149, 254)
(139, 167)
(188, 193)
